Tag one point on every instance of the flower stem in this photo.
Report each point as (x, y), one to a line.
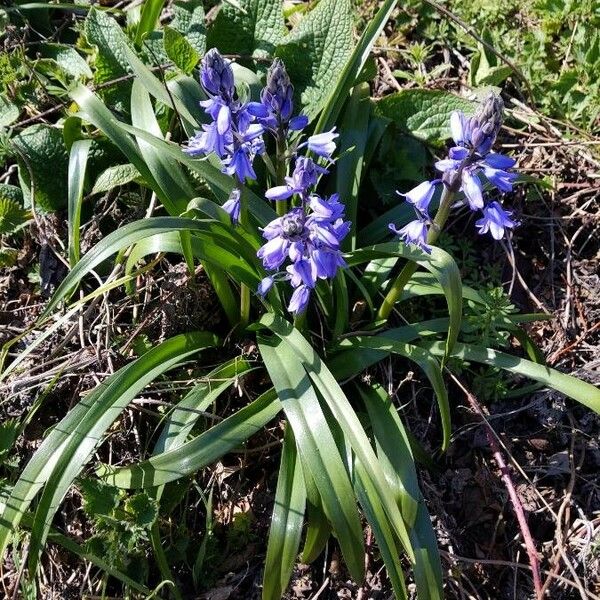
(244, 289)
(281, 206)
(409, 268)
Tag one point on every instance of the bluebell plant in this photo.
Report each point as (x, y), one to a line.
(234, 134)
(308, 233)
(467, 161)
(461, 171)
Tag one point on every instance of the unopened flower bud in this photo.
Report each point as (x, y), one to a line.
(279, 92)
(216, 74)
(486, 123)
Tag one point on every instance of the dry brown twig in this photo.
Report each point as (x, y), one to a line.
(506, 478)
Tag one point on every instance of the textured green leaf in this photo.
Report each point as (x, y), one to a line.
(98, 497)
(188, 19)
(12, 192)
(9, 112)
(179, 50)
(255, 28)
(423, 113)
(12, 215)
(104, 32)
(68, 59)
(115, 176)
(315, 52)
(43, 150)
(356, 68)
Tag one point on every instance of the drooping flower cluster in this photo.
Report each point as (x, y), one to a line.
(234, 134)
(309, 236)
(462, 170)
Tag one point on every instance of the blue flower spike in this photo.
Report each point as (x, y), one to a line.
(462, 171)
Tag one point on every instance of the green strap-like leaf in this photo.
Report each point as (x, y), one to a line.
(198, 452)
(396, 457)
(343, 412)
(439, 262)
(78, 158)
(122, 238)
(317, 448)
(352, 68)
(286, 521)
(581, 391)
(68, 446)
(426, 361)
(148, 20)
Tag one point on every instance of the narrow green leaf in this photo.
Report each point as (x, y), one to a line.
(439, 262)
(77, 164)
(316, 446)
(393, 449)
(343, 412)
(384, 534)
(68, 446)
(427, 362)
(177, 191)
(576, 389)
(349, 169)
(150, 14)
(198, 452)
(286, 521)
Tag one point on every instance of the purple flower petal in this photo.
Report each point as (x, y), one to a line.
(280, 192)
(264, 286)
(495, 220)
(473, 189)
(420, 196)
(298, 123)
(499, 161)
(299, 300)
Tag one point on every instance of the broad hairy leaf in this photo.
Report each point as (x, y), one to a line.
(423, 113)
(316, 51)
(255, 27)
(353, 67)
(42, 154)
